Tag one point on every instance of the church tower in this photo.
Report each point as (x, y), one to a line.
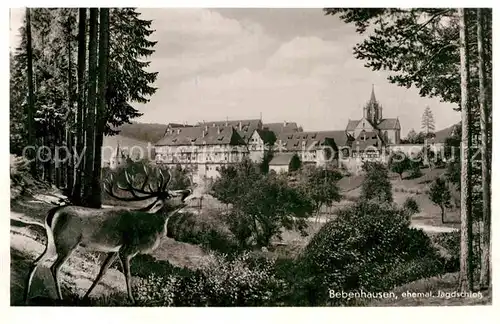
(373, 110)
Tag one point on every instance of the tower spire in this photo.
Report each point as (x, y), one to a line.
(372, 97)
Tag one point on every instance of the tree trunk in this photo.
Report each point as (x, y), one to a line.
(69, 134)
(466, 269)
(80, 141)
(101, 105)
(443, 213)
(484, 280)
(31, 97)
(91, 105)
(57, 164)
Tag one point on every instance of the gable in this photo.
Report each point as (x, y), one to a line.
(364, 124)
(351, 125)
(389, 123)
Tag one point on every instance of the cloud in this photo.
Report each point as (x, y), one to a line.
(303, 54)
(199, 41)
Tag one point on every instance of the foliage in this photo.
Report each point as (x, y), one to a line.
(376, 184)
(129, 80)
(262, 203)
(420, 45)
(415, 138)
(239, 282)
(399, 163)
(439, 194)
(295, 163)
(271, 204)
(235, 179)
(360, 249)
(428, 124)
(321, 185)
(415, 165)
(54, 48)
(208, 229)
(411, 206)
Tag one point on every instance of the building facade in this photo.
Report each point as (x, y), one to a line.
(369, 137)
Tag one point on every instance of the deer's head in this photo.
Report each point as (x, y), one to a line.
(166, 201)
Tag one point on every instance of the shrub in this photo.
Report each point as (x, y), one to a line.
(220, 282)
(321, 185)
(264, 204)
(399, 163)
(376, 184)
(208, 229)
(359, 249)
(411, 206)
(439, 194)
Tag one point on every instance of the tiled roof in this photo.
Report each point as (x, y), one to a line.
(389, 123)
(248, 126)
(278, 128)
(201, 135)
(372, 139)
(282, 159)
(177, 125)
(293, 141)
(351, 124)
(339, 136)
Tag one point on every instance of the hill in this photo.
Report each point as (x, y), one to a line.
(144, 132)
(443, 134)
(127, 144)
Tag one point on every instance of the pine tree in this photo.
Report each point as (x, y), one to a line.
(128, 81)
(60, 82)
(80, 115)
(101, 105)
(428, 125)
(31, 95)
(484, 280)
(466, 269)
(90, 118)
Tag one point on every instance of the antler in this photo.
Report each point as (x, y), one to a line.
(138, 193)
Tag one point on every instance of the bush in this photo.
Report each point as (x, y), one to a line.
(359, 249)
(239, 282)
(376, 184)
(263, 204)
(411, 206)
(208, 229)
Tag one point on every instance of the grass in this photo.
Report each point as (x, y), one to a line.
(80, 269)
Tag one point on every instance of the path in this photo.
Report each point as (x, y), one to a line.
(424, 227)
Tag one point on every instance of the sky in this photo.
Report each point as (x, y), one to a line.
(282, 64)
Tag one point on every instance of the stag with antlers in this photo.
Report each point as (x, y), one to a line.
(121, 232)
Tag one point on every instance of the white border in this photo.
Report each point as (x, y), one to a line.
(231, 315)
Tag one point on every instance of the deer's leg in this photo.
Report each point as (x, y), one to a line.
(125, 258)
(62, 256)
(33, 270)
(105, 266)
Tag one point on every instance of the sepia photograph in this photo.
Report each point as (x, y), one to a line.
(250, 157)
